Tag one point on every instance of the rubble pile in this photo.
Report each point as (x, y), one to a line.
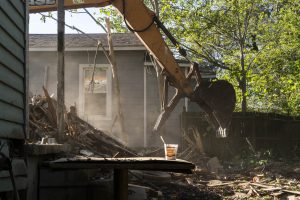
(83, 137)
(278, 180)
(213, 179)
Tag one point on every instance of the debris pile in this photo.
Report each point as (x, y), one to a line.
(272, 182)
(83, 137)
(255, 175)
(213, 179)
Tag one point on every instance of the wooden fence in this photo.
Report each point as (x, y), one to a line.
(264, 131)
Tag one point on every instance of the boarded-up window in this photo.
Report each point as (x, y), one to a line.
(95, 96)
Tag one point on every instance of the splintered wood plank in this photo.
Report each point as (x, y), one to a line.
(292, 192)
(51, 108)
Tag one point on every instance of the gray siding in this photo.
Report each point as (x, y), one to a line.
(130, 66)
(12, 69)
(131, 74)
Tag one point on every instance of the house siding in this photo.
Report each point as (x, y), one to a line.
(131, 69)
(12, 69)
(13, 31)
(133, 75)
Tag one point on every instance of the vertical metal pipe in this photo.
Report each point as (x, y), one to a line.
(145, 106)
(26, 80)
(60, 68)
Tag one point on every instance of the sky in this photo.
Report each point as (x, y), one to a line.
(80, 20)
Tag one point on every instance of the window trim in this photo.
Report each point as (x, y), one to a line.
(108, 115)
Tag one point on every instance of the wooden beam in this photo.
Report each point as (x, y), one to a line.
(60, 69)
(117, 94)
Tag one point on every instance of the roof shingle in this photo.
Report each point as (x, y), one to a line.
(81, 40)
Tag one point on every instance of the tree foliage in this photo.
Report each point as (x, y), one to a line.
(276, 86)
(253, 44)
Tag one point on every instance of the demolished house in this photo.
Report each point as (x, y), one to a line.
(137, 76)
(89, 161)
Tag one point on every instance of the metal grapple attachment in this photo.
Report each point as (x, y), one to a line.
(217, 99)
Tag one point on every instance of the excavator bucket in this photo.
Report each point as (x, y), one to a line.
(217, 99)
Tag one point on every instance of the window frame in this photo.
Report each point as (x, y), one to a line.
(81, 109)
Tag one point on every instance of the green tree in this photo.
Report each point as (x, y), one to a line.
(254, 44)
(276, 84)
(117, 20)
(223, 34)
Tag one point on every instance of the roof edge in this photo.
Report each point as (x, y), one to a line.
(46, 49)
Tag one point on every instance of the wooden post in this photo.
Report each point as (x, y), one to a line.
(46, 69)
(120, 184)
(60, 68)
(117, 95)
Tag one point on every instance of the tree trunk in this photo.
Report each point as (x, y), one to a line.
(243, 83)
(244, 90)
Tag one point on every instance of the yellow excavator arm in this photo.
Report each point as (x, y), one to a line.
(145, 25)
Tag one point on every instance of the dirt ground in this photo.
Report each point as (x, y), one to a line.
(251, 175)
(256, 176)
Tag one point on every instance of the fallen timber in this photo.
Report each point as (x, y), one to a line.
(78, 133)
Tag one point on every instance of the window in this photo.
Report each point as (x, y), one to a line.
(95, 100)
